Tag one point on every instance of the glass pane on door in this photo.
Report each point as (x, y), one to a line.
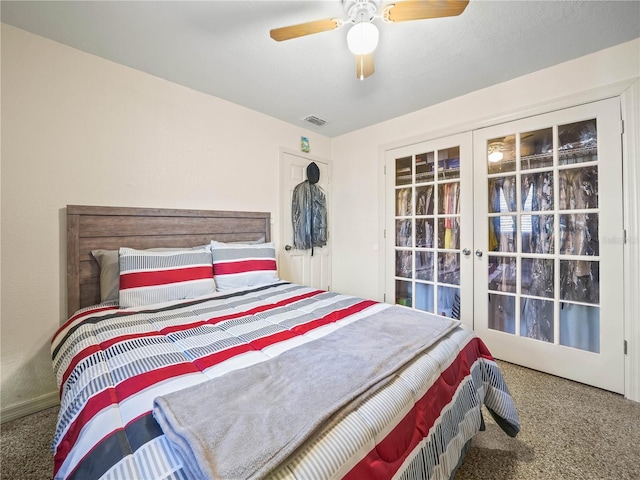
(424, 265)
(578, 188)
(501, 154)
(403, 171)
(404, 293)
(404, 263)
(578, 142)
(502, 313)
(537, 319)
(425, 167)
(404, 202)
(424, 232)
(580, 326)
(502, 274)
(424, 200)
(537, 233)
(536, 149)
(537, 277)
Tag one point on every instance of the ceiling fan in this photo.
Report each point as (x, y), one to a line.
(363, 35)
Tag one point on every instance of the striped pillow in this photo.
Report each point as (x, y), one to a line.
(238, 265)
(148, 277)
(110, 269)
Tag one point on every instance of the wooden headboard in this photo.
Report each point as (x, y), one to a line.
(90, 227)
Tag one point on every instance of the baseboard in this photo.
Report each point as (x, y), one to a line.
(27, 408)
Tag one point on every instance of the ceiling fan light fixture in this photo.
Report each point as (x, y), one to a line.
(362, 38)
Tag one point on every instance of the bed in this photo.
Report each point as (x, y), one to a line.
(213, 367)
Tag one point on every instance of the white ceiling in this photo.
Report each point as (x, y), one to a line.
(223, 48)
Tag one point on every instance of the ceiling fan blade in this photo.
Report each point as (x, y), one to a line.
(422, 9)
(295, 31)
(364, 66)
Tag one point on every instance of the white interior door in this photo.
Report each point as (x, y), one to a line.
(429, 227)
(548, 239)
(300, 266)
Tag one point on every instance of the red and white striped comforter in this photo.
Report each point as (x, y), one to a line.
(111, 363)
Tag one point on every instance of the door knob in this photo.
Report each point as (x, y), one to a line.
(287, 247)
(466, 251)
(478, 253)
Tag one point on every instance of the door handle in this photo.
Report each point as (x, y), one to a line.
(478, 253)
(466, 252)
(287, 247)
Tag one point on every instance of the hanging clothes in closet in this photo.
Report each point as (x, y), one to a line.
(309, 212)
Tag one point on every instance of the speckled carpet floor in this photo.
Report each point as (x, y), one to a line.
(569, 431)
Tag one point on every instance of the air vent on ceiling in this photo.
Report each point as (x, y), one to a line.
(315, 120)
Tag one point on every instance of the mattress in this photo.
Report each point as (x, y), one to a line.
(112, 363)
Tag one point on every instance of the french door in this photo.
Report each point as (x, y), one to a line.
(548, 229)
(429, 227)
(517, 230)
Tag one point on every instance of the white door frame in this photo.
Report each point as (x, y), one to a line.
(630, 100)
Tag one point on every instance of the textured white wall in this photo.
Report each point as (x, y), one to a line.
(77, 129)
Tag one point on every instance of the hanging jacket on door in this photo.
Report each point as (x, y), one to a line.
(309, 216)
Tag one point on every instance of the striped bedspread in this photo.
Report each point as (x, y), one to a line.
(112, 363)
